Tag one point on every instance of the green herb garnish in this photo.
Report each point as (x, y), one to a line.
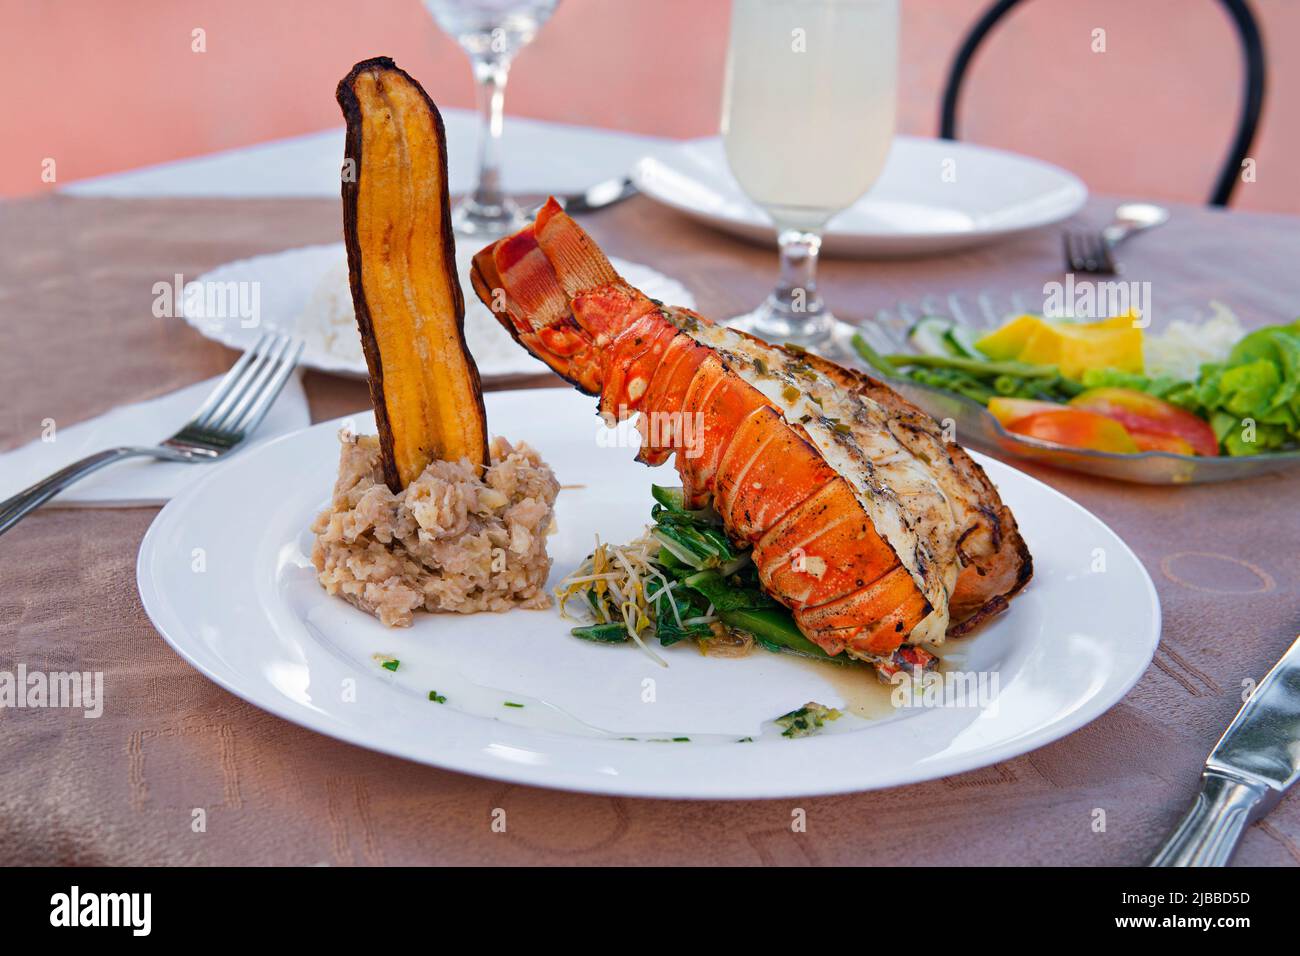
(807, 720)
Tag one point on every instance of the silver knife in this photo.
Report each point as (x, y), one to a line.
(1254, 763)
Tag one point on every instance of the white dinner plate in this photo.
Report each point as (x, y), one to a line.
(933, 196)
(305, 292)
(224, 574)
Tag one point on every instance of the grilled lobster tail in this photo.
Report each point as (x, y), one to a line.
(863, 521)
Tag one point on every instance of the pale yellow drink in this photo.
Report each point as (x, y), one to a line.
(807, 121)
(808, 107)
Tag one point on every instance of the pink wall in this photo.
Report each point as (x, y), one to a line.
(104, 86)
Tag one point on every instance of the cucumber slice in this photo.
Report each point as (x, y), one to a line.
(927, 336)
(961, 340)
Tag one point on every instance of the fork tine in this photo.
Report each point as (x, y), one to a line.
(1108, 257)
(256, 356)
(1100, 260)
(227, 382)
(1086, 252)
(249, 421)
(1092, 258)
(1081, 252)
(254, 382)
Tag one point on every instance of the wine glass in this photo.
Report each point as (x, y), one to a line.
(807, 121)
(491, 32)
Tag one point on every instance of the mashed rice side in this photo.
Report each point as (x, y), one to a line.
(451, 541)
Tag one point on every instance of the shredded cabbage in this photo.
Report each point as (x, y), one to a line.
(1179, 350)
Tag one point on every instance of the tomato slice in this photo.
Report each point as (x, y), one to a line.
(1075, 428)
(1007, 410)
(1150, 441)
(1139, 412)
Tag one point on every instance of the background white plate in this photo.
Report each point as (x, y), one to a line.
(256, 622)
(912, 209)
(287, 282)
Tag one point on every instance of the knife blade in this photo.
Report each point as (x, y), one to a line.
(1254, 763)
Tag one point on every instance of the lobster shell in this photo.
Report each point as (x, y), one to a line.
(824, 504)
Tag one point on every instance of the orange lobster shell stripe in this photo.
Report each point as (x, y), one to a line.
(815, 546)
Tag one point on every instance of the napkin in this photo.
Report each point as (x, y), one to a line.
(139, 481)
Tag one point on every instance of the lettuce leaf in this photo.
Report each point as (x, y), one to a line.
(1251, 400)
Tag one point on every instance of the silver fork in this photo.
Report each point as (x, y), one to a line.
(229, 415)
(1093, 252)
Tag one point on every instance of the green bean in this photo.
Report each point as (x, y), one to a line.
(612, 633)
(976, 367)
(776, 626)
(872, 357)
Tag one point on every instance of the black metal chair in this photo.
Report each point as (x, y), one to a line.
(1252, 99)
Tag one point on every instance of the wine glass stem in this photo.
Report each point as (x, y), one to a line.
(490, 76)
(796, 298)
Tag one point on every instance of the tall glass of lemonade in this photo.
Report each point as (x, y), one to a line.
(807, 121)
